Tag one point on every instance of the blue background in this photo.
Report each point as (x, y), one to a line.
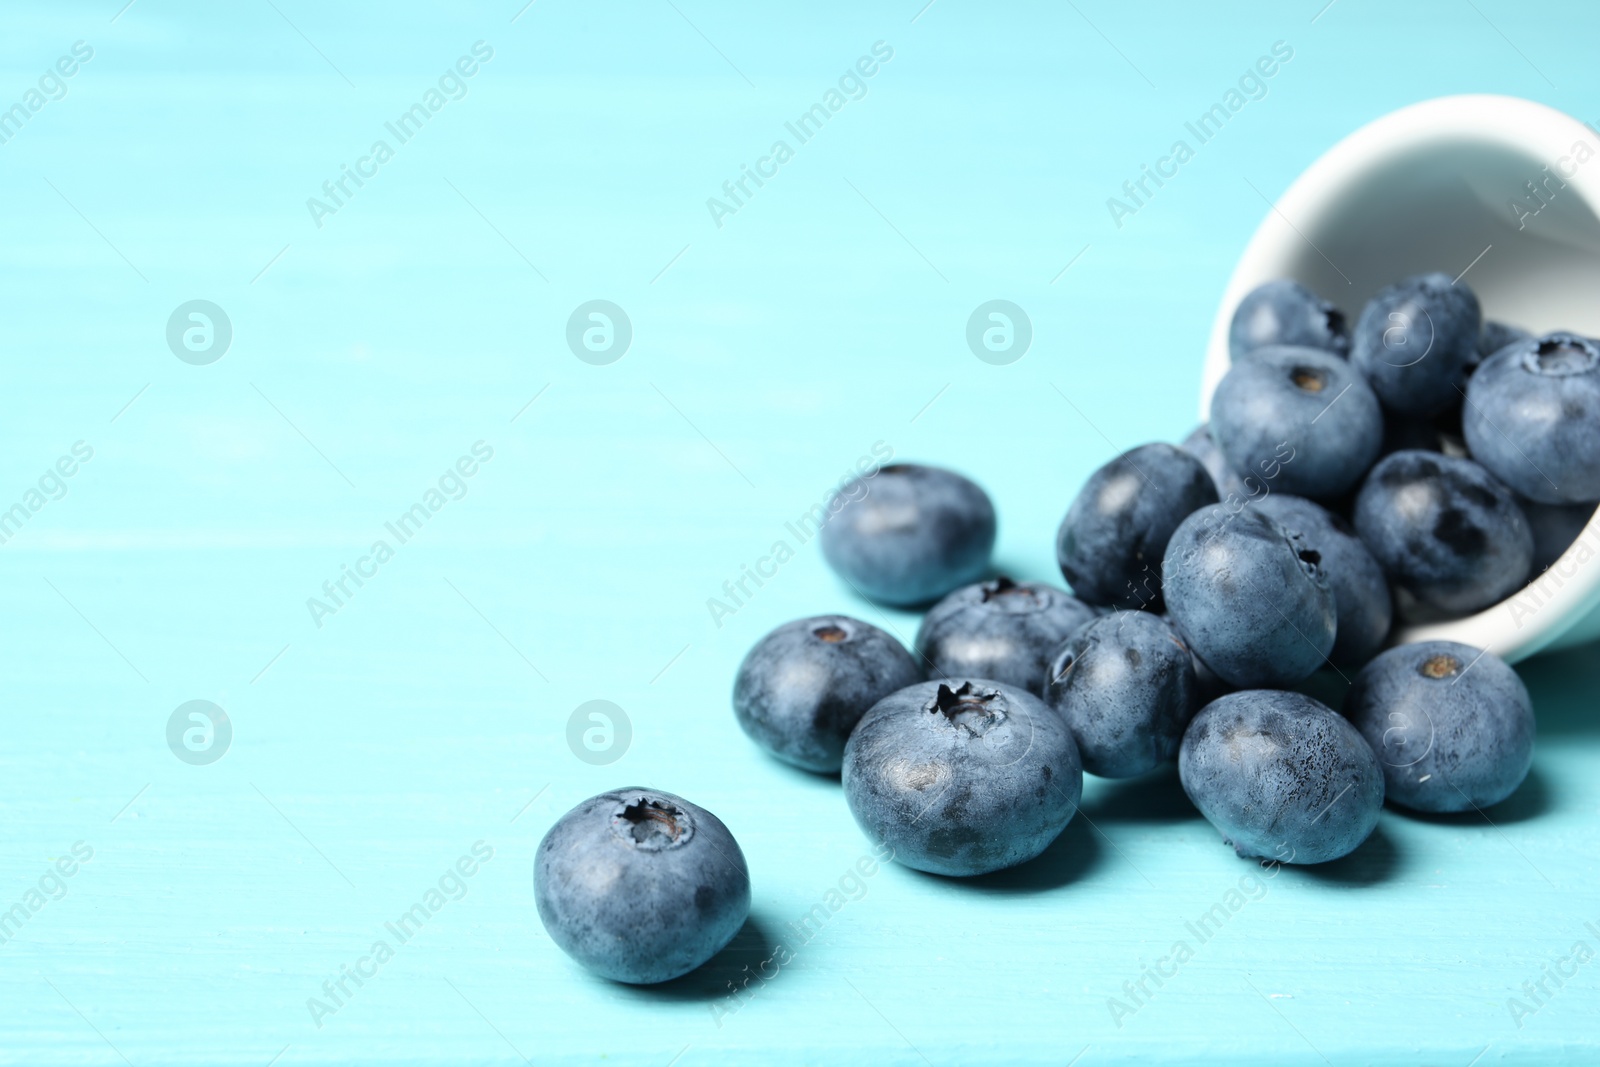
(768, 355)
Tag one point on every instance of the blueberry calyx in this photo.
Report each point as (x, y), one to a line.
(651, 825)
(830, 634)
(1560, 356)
(974, 710)
(1308, 379)
(1310, 558)
(1001, 586)
(1443, 665)
(1012, 598)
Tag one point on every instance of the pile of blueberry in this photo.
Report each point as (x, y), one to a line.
(1423, 465)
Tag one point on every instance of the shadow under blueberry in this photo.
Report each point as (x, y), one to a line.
(1068, 859)
(1374, 861)
(729, 970)
(1531, 800)
(1157, 797)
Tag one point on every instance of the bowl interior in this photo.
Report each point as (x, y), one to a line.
(1524, 237)
(1502, 194)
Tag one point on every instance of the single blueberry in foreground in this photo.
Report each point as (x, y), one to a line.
(640, 886)
(1250, 597)
(1126, 686)
(1444, 529)
(1414, 341)
(804, 686)
(1111, 541)
(1361, 598)
(962, 777)
(1308, 410)
(1532, 418)
(910, 534)
(1451, 724)
(1284, 312)
(1282, 776)
(1000, 630)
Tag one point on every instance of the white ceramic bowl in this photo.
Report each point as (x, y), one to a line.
(1433, 187)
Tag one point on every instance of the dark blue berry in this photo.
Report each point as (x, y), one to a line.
(1313, 404)
(1532, 418)
(1282, 776)
(1250, 597)
(1452, 725)
(910, 534)
(804, 686)
(1284, 312)
(1111, 542)
(1414, 342)
(1445, 530)
(1126, 686)
(640, 886)
(962, 777)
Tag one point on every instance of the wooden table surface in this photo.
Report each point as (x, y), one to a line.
(174, 910)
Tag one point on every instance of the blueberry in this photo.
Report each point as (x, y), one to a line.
(1125, 685)
(1532, 418)
(1452, 725)
(962, 777)
(1112, 539)
(1414, 342)
(910, 534)
(1000, 630)
(1445, 530)
(640, 886)
(1284, 312)
(1305, 412)
(1282, 776)
(1555, 527)
(1250, 597)
(1360, 592)
(804, 686)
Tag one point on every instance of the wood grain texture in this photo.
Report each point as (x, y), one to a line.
(430, 711)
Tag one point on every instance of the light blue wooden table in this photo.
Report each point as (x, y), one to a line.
(214, 911)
